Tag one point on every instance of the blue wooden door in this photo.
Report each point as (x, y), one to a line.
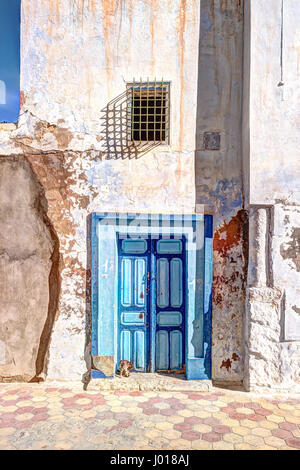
(133, 311)
(151, 298)
(170, 304)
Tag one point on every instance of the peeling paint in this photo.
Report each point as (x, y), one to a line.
(226, 364)
(229, 235)
(291, 250)
(230, 264)
(296, 309)
(22, 99)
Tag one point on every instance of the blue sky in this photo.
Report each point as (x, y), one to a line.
(9, 60)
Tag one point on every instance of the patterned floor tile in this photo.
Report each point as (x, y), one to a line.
(50, 417)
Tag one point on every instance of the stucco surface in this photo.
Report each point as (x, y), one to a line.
(271, 143)
(274, 109)
(76, 57)
(285, 259)
(219, 174)
(116, 41)
(67, 153)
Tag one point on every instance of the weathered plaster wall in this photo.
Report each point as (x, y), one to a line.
(27, 265)
(272, 144)
(274, 109)
(76, 56)
(100, 46)
(219, 174)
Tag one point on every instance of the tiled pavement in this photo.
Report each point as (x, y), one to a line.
(36, 416)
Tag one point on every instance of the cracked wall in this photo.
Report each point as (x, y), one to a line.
(272, 356)
(76, 57)
(99, 46)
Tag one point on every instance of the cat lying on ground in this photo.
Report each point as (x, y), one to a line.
(124, 368)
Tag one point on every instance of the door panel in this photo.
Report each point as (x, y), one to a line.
(169, 246)
(126, 345)
(176, 282)
(132, 318)
(169, 319)
(134, 246)
(133, 311)
(126, 287)
(162, 282)
(175, 349)
(170, 309)
(140, 285)
(139, 350)
(162, 350)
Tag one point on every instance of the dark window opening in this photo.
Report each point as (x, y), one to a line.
(149, 112)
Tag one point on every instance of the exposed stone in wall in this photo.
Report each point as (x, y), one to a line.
(29, 282)
(269, 361)
(272, 355)
(263, 332)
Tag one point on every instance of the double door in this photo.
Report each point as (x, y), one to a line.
(151, 303)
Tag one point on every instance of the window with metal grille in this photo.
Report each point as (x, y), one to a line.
(149, 111)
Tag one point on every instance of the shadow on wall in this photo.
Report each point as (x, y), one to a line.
(116, 122)
(206, 69)
(86, 377)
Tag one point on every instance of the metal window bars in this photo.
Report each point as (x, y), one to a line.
(148, 111)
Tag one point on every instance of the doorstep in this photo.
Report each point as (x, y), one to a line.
(151, 382)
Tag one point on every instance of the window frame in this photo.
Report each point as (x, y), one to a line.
(138, 85)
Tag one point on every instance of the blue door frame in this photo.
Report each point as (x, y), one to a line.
(105, 230)
(151, 308)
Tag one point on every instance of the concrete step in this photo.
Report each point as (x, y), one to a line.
(151, 382)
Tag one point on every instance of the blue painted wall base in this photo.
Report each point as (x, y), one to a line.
(97, 374)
